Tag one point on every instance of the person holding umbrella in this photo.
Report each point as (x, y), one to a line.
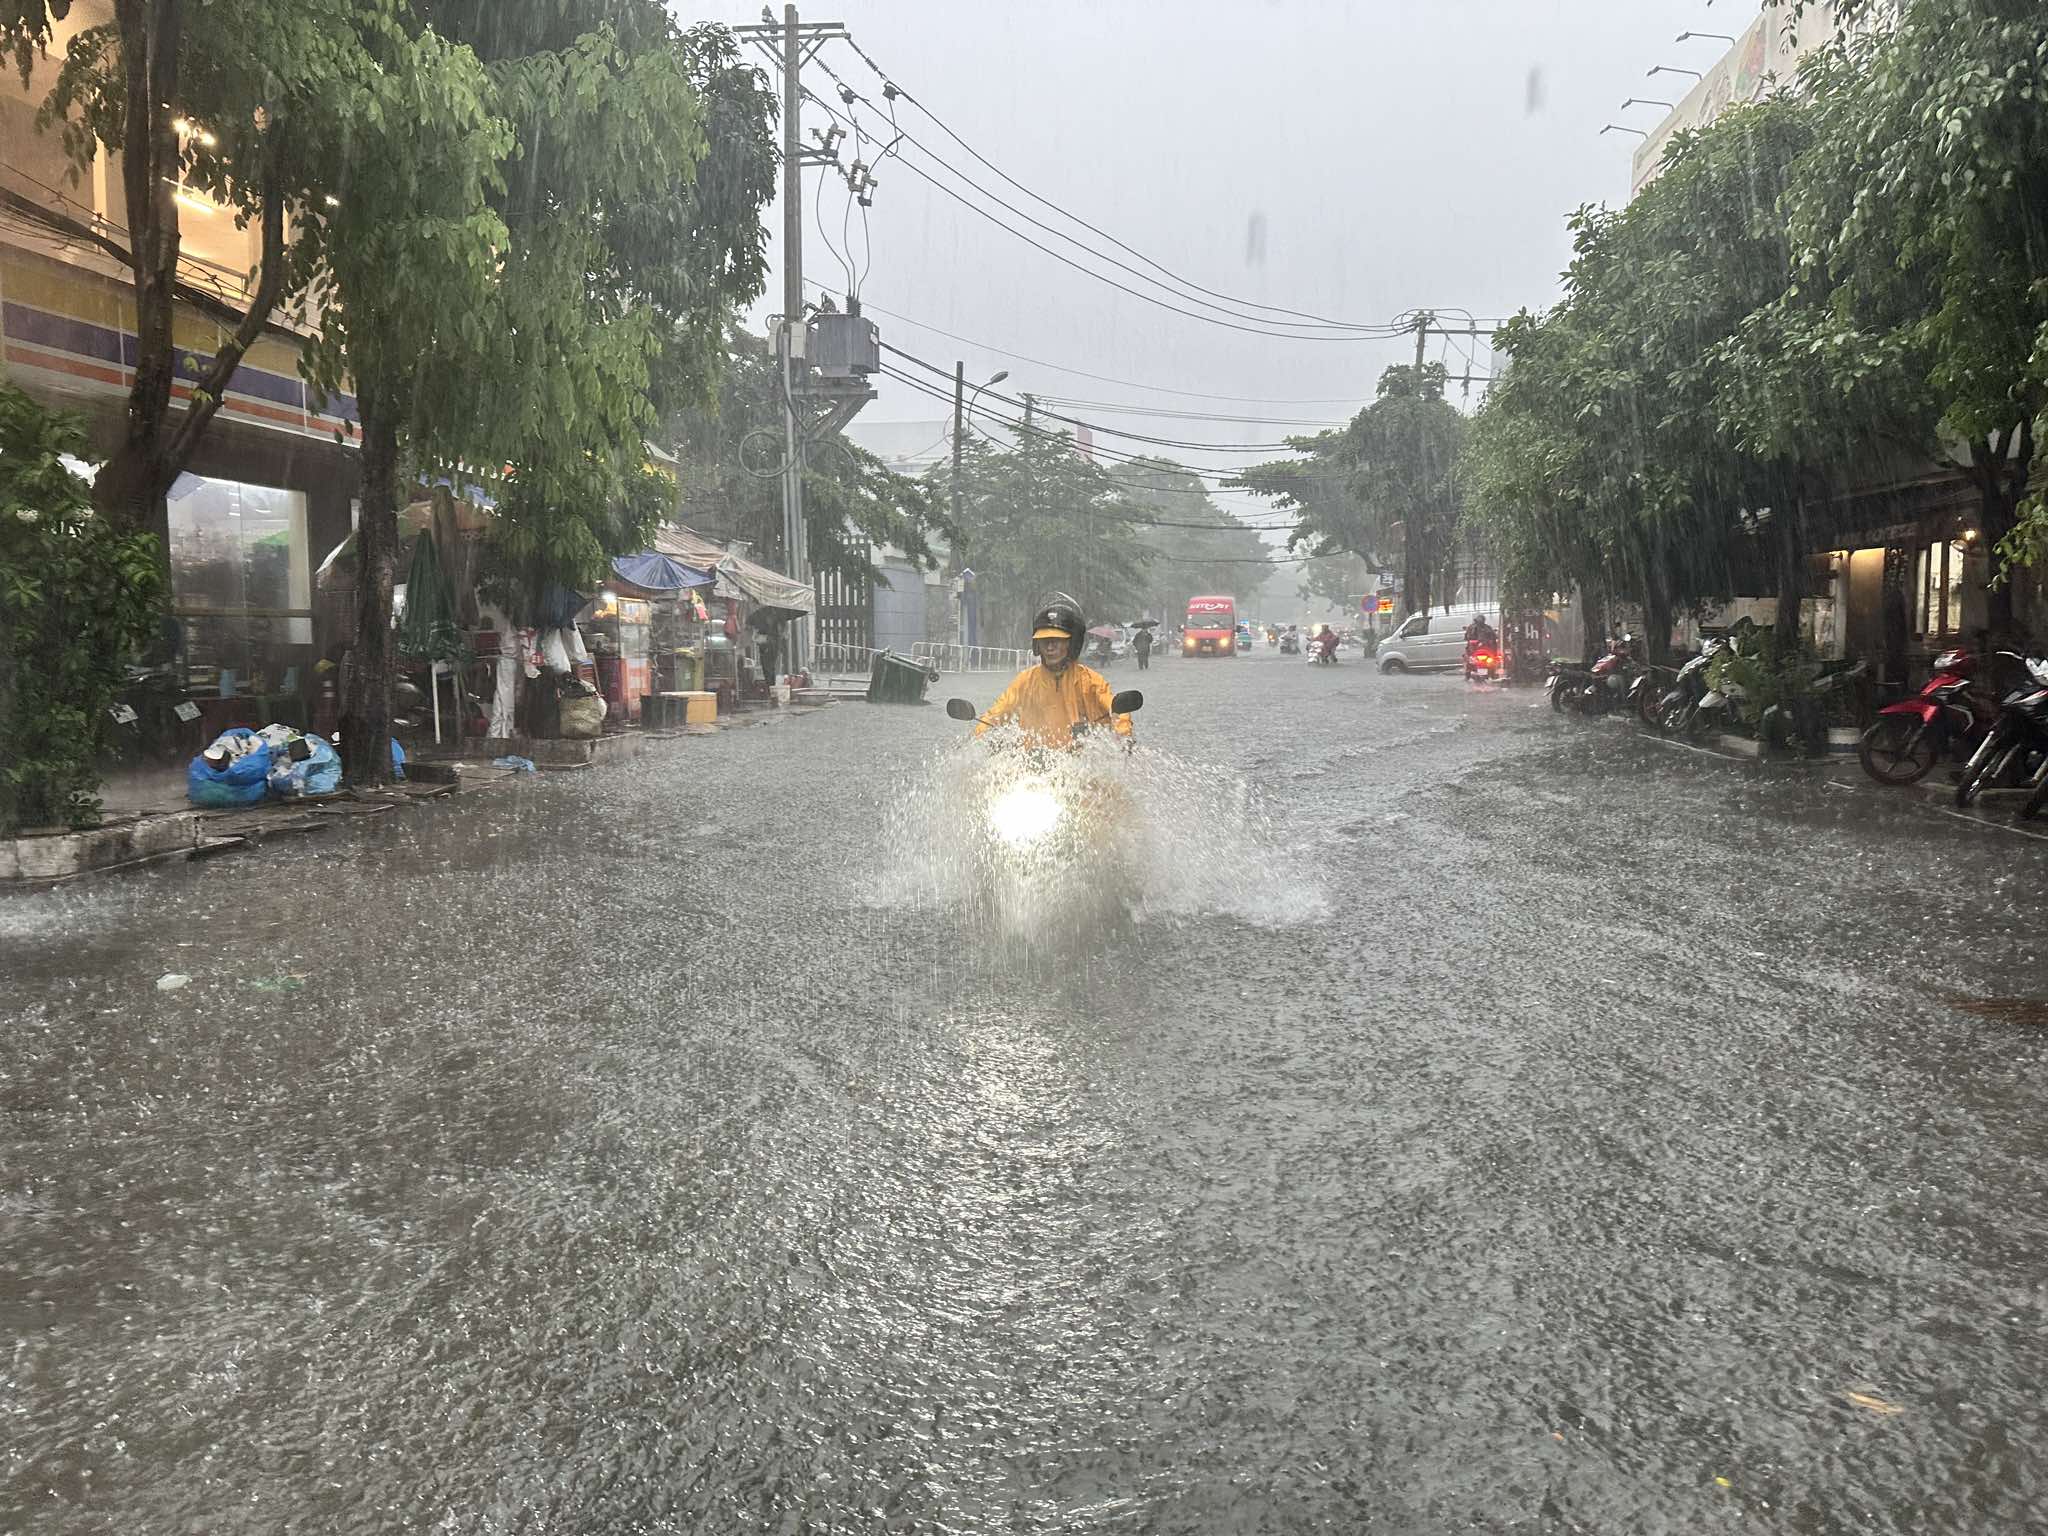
(1142, 644)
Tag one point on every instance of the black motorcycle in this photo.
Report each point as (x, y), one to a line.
(1677, 711)
(2016, 747)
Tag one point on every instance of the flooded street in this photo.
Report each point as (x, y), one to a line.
(1485, 1121)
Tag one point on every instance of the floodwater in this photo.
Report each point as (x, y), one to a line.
(1471, 1120)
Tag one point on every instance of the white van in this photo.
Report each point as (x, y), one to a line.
(1433, 641)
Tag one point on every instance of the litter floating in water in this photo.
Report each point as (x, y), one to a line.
(1874, 1404)
(278, 983)
(170, 981)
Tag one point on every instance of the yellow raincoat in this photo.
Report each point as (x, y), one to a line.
(1047, 705)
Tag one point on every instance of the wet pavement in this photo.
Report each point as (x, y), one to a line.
(1482, 1121)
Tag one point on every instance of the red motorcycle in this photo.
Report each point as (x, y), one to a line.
(1950, 714)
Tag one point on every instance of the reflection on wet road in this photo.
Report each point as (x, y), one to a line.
(1486, 1122)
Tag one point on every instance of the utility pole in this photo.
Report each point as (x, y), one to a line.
(789, 45)
(792, 313)
(1422, 324)
(959, 539)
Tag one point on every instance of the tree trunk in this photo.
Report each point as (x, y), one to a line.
(1593, 622)
(1791, 574)
(130, 490)
(2001, 486)
(366, 702)
(1414, 572)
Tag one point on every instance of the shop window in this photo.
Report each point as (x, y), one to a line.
(240, 579)
(1938, 589)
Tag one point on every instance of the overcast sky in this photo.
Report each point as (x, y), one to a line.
(1353, 160)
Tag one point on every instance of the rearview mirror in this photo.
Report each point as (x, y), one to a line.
(960, 709)
(1129, 702)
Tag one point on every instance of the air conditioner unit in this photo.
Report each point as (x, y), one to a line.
(844, 346)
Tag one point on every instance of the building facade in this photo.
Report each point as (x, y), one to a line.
(271, 491)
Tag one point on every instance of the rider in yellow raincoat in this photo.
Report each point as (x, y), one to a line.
(1048, 700)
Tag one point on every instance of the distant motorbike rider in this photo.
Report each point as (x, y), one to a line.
(1324, 641)
(1048, 700)
(1479, 635)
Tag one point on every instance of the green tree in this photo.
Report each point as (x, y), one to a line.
(1921, 302)
(243, 76)
(77, 596)
(1388, 480)
(409, 256)
(1042, 517)
(1611, 455)
(1218, 555)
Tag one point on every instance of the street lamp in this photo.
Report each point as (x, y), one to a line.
(1622, 128)
(1648, 101)
(1673, 69)
(1686, 37)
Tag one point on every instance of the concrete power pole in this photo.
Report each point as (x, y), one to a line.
(792, 314)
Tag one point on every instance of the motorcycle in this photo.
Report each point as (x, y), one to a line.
(1950, 712)
(1596, 689)
(1290, 645)
(2016, 746)
(1050, 833)
(1483, 663)
(1322, 655)
(1677, 710)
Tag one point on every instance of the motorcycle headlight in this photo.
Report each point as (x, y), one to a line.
(1024, 815)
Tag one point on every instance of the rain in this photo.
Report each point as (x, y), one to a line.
(1344, 837)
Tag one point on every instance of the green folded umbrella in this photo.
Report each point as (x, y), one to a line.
(429, 628)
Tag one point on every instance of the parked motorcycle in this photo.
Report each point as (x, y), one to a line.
(1677, 710)
(1951, 712)
(2016, 746)
(1571, 686)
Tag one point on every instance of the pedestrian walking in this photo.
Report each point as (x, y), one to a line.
(1143, 646)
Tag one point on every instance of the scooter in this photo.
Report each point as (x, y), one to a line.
(2016, 746)
(1482, 663)
(1044, 811)
(1950, 712)
(1322, 655)
(1677, 711)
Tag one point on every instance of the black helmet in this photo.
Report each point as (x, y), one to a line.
(1060, 616)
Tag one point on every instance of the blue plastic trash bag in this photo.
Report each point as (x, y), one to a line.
(240, 780)
(318, 774)
(397, 759)
(515, 762)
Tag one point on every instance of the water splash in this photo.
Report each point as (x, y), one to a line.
(1147, 836)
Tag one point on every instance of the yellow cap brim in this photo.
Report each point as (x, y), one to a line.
(1050, 634)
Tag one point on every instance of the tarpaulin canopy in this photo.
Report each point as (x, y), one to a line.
(737, 576)
(656, 572)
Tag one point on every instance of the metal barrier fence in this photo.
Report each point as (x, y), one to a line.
(969, 658)
(833, 658)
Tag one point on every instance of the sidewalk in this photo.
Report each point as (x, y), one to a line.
(147, 820)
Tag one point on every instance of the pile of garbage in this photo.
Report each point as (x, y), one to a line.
(244, 767)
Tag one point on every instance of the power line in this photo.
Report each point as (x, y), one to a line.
(1082, 373)
(1162, 442)
(889, 86)
(1131, 408)
(1387, 333)
(1359, 332)
(1112, 455)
